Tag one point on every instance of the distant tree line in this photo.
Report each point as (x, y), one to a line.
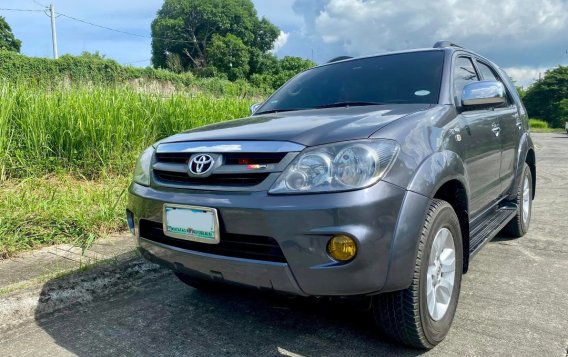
(547, 98)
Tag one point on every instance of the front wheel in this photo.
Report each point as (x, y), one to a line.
(421, 315)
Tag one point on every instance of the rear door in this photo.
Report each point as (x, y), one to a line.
(510, 129)
(481, 142)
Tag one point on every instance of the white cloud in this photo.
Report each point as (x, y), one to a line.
(525, 76)
(280, 41)
(517, 32)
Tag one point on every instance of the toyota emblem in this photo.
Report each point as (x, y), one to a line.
(201, 164)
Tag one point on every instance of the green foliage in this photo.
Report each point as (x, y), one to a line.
(229, 55)
(59, 209)
(285, 69)
(7, 40)
(189, 28)
(548, 98)
(94, 69)
(94, 131)
(538, 124)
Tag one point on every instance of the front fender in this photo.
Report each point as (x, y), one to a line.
(434, 172)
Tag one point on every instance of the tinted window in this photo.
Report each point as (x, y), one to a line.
(486, 72)
(489, 75)
(400, 78)
(464, 73)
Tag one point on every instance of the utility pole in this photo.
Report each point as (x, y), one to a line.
(53, 30)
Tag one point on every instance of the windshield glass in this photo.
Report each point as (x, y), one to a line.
(399, 78)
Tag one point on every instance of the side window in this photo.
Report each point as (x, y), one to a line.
(489, 74)
(486, 72)
(464, 74)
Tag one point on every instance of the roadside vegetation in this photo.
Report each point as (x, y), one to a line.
(67, 154)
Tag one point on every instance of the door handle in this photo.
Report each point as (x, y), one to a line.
(496, 129)
(518, 121)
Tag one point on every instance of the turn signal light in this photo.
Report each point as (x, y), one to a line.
(342, 248)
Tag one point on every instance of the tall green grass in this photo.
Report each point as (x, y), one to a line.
(95, 130)
(538, 124)
(59, 209)
(67, 155)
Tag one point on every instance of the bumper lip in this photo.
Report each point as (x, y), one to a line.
(247, 272)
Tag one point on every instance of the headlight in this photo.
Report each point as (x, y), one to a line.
(337, 167)
(142, 170)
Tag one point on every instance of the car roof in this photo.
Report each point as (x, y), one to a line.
(450, 49)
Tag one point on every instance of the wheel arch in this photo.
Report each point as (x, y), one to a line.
(531, 161)
(453, 191)
(442, 175)
(525, 155)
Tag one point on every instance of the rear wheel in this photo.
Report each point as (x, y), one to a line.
(519, 225)
(421, 315)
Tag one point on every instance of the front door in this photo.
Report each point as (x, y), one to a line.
(510, 129)
(481, 142)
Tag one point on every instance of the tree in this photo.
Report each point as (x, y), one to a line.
(7, 40)
(546, 99)
(229, 55)
(200, 31)
(286, 68)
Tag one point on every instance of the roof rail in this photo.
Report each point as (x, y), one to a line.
(340, 58)
(444, 44)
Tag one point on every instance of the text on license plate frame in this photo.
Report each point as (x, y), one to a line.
(195, 210)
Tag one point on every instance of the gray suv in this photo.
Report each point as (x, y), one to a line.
(378, 177)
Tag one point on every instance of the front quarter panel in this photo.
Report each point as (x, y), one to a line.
(430, 150)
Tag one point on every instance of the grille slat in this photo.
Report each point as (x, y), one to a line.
(230, 158)
(214, 180)
(231, 245)
(170, 168)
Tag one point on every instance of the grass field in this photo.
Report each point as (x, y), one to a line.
(66, 156)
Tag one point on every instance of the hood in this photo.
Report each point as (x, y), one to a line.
(306, 127)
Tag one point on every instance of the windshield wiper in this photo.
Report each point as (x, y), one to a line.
(277, 111)
(347, 104)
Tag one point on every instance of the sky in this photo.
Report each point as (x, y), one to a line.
(525, 37)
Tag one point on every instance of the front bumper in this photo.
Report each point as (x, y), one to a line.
(301, 224)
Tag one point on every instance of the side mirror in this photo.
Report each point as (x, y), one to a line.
(254, 108)
(484, 94)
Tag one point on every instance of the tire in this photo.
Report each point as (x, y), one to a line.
(199, 284)
(404, 316)
(519, 225)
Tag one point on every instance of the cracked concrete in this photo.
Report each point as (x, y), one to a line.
(513, 303)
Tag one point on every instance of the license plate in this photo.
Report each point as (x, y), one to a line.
(197, 224)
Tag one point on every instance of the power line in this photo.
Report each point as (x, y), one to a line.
(40, 4)
(22, 10)
(101, 26)
(121, 31)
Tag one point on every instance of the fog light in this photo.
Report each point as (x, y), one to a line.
(342, 248)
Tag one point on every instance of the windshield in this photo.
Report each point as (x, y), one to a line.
(399, 78)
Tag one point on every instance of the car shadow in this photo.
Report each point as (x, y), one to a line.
(166, 317)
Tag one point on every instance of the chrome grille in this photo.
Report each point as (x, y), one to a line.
(242, 166)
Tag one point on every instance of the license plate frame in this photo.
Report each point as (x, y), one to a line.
(191, 212)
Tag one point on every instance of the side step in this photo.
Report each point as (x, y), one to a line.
(488, 228)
